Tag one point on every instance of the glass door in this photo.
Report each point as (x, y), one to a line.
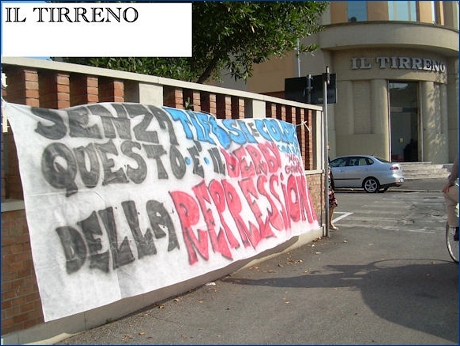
(404, 121)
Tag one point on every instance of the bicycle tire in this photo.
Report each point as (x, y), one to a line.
(452, 245)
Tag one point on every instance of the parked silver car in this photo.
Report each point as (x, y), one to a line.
(365, 171)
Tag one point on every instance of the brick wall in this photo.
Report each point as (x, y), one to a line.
(21, 306)
(12, 187)
(316, 188)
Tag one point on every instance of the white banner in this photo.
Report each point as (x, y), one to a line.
(96, 29)
(124, 198)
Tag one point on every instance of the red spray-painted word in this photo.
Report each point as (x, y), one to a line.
(258, 200)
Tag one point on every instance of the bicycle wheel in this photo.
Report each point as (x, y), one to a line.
(452, 245)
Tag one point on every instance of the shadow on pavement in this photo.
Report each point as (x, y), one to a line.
(406, 294)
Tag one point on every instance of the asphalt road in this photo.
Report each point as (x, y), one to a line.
(384, 278)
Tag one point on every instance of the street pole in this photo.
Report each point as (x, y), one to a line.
(298, 58)
(326, 81)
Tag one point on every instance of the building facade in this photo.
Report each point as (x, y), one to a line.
(396, 70)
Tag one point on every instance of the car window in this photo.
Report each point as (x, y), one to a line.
(339, 162)
(363, 161)
(353, 161)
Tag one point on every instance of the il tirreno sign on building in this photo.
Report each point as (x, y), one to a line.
(398, 62)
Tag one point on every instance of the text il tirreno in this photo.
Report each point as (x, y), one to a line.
(398, 62)
(74, 15)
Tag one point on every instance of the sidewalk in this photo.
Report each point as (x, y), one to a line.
(363, 285)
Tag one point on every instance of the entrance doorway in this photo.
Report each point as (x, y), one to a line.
(404, 121)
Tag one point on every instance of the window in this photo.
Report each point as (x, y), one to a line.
(363, 161)
(339, 162)
(357, 11)
(402, 10)
(434, 11)
(358, 161)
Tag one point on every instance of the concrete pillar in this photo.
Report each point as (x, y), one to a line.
(426, 88)
(444, 121)
(434, 141)
(379, 116)
(254, 109)
(450, 14)
(379, 106)
(318, 138)
(151, 94)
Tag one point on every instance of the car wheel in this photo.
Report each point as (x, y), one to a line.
(371, 185)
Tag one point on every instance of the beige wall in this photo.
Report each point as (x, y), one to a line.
(269, 76)
(390, 34)
(424, 11)
(338, 12)
(377, 10)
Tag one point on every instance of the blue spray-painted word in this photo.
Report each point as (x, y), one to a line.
(203, 127)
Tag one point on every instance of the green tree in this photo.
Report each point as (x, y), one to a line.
(229, 36)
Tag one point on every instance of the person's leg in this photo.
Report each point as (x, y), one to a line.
(331, 214)
(451, 199)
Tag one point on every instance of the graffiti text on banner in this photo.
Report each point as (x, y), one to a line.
(149, 189)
